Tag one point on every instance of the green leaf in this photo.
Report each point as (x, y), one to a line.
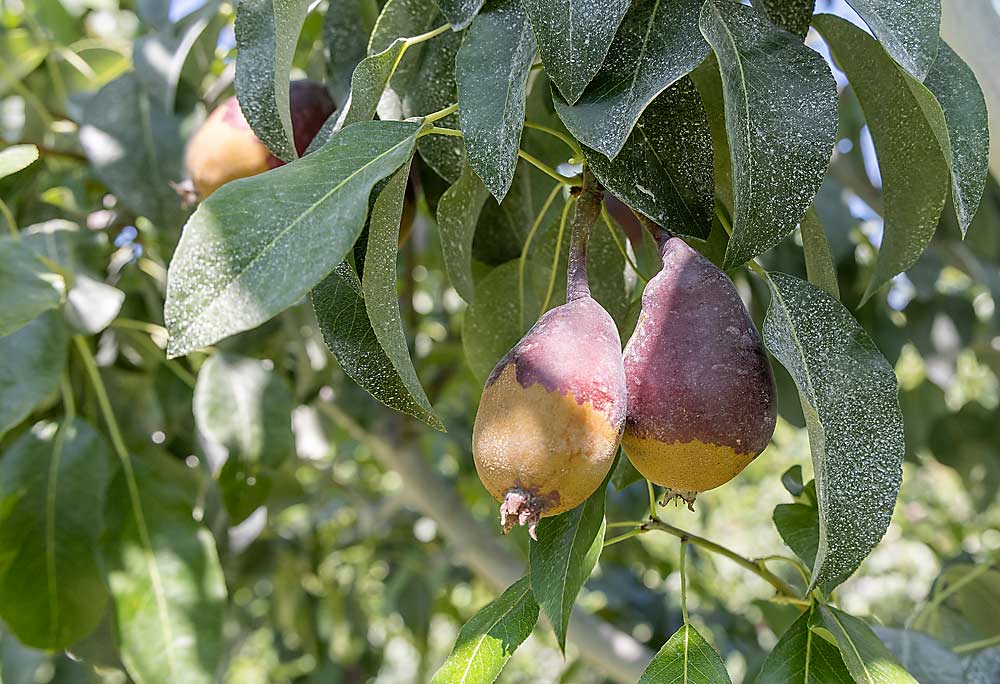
(686, 657)
(656, 44)
(488, 640)
(459, 12)
(457, 214)
(159, 58)
(907, 28)
(867, 658)
(492, 323)
(562, 559)
(906, 125)
(574, 37)
(26, 287)
(804, 657)
(848, 395)
(135, 148)
(91, 305)
(665, 168)
(708, 80)
(250, 250)
(345, 37)
(266, 34)
(16, 157)
(926, 658)
(983, 667)
(380, 296)
(367, 85)
(424, 82)
(343, 320)
(819, 261)
(606, 267)
(791, 480)
(957, 91)
(154, 12)
(164, 574)
(964, 605)
(792, 15)
(491, 71)
(798, 525)
(624, 474)
(32, 359)
(245, 408)
(52, 485)
(781, 116)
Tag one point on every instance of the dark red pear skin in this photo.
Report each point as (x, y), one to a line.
(552, 414)
(702, 402)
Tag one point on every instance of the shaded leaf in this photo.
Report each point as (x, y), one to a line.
(907, 28)
(957, 91)
(965, 603)
(424, 82)
(562, 559)
(791, 480)
(491, 72)
(164, 574)
(26, 287)
(983, 667)
(686, 657)
(32, 359)
(491, 325)
(781, 117)
(343, 320)
(266, 34)
(488, 640)
(905, 124)
(848, 395)
(249, 251)
(380, 296)
(345, 38)
(457, 214)
(574, 37)
(798, 525)
(459, 12)
(159, 58)
(665, 168)
(16, 157)
(866, 657)
(52, 485)
(926, 658)
(804, 657)
(819, 260)
(135, 148)
(792, 15)
(656, 44)
(368, 82)
(246, 409)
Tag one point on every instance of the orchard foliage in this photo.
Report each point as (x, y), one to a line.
(192, 491)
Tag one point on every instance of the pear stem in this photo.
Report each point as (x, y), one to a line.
(659, 233)
(587, 211)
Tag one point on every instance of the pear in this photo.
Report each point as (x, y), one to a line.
(224, 148)
(702, 402)
(553, 409)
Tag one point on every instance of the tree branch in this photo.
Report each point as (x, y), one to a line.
(616, 654)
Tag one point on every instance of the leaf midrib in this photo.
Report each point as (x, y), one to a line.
(270, 244)
(746, 107)
(486, 633)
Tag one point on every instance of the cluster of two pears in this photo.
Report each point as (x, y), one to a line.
(692, 400)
